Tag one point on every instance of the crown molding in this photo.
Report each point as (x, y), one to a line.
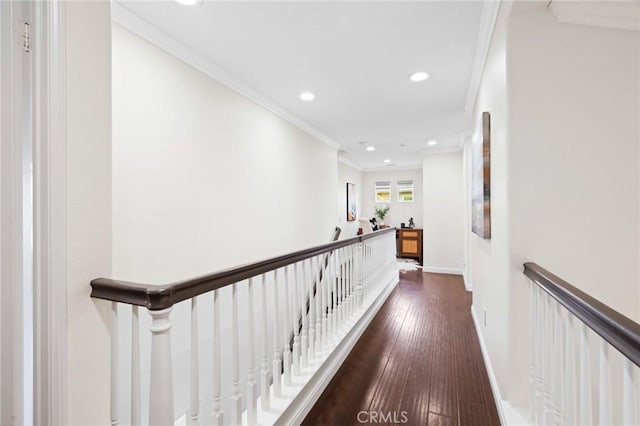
(488, 18)
(124, 17)
(620, 15)
(443, 150)
(393, 168)
(349, 163)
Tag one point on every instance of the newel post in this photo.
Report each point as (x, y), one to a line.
(161, 392)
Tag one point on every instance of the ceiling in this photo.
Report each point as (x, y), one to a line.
(354, 56)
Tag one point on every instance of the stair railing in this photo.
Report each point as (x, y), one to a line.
(343, 283)
(568, 383)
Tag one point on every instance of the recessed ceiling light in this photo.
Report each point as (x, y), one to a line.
(189, 2)
(387, 161)
(307, 96)
(432, 143)
(418, 76)
(371, 148)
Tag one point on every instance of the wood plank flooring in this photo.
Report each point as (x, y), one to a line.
(418, 361)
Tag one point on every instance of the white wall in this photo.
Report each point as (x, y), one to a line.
(400, 212)
(204, 178)
(347, 174)
(574, 161)
(88, 127)
(489, 259)
(565, 174)
(443, 217)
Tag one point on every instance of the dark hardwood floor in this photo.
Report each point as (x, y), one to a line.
(419, 362)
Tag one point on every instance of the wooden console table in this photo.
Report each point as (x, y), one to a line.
(410, 243)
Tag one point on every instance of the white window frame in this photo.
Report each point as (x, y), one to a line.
(380, 187)
(404, 184)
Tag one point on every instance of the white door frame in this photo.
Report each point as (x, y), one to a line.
(32, 218)
(50, 304)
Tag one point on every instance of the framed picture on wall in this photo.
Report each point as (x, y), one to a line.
(351, 202)
(481, 181)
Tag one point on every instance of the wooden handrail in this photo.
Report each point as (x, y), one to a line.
(163, 296)
(620, 331)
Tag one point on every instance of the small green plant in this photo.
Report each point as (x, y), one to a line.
(381, 212)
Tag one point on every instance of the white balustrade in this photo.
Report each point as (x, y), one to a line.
(569, 382)
(136, 405)
(301, 316)
(265, 390)
(161, 387)
(276, 375)
(218, 417)
(287, 328)
(252, 396)
(115, 365)
(195, 368)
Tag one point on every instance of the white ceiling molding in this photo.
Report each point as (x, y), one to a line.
(349, 163)
(462, 137)
(490, 9)
(392, 168)
(621, 15)
(443, 150)
(137, 25)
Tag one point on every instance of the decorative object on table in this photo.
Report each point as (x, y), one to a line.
(351, 202)
(402, 225)
(411, 224)
(374, 224)
(381, 212)
(481, 180)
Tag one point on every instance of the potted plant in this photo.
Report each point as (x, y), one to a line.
(381, 212)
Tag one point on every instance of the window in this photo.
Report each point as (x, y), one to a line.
(383, 192)
(405, 191)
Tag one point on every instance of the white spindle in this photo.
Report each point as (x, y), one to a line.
(297, 317)
(136, 412)
(320, 336)
(218, 417)
(333, 284)
(277, 376)
(312, 309)
(115, 365)
(265, 390)
(585, 412)
(340, 282)
(286, 348)
(604, 403)
(630, 396)
(533, 350)
(236, 400)
(558, 354)
(161, 392)
(325, 301)
(546, 361)
(252, 409)
(195, 373)
(555, 364)
(539, 415)
(306, 299)
(570, 415)
(327, 329)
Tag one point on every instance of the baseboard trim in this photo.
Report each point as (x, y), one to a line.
(467, 283)
(304, 402)
(492, 375)
(439, 270)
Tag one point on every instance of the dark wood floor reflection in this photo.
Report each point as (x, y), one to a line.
(419, 362)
